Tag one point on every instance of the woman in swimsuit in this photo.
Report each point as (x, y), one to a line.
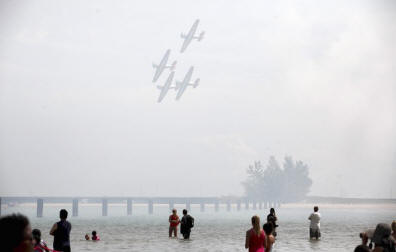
(255, 237)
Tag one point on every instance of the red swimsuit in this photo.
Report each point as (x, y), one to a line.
(256, 243)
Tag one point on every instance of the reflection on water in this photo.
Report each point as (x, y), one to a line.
(222, 231)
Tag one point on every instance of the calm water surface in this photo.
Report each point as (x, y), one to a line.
(222, 231)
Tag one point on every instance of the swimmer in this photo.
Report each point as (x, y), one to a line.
(87, 237)
(38, 243)
(94, 236)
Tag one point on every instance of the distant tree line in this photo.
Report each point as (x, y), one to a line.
(291, 183)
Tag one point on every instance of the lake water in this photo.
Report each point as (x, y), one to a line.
(222, 231)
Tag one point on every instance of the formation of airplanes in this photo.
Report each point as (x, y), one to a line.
(179, 86)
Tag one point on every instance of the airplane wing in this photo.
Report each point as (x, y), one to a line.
(189, 36)
(185, 44)
(160, 68)
(184, 83)
(165, 88)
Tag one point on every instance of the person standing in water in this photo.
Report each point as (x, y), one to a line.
(268, 229)
(271, 218)
(187, 222)
(255, 237)
(61, 232)
(314, 227)
(173, 223)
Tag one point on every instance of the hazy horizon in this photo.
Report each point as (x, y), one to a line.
(315, 80)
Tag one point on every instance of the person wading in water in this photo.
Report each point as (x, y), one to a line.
(61, 232)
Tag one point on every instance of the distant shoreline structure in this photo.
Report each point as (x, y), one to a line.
(176, 200)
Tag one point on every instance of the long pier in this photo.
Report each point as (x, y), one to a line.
(149, 201)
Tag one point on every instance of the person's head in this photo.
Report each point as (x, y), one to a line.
(94, 233)
(272, 211)
(174, 211)
(63, 214)
(362, 248)
(394, 226)
(256, 224)
(86, 237)
(36, 233)
(316, 208)
(381, 233)
(184, 211)
(268, 228)
(15, 233)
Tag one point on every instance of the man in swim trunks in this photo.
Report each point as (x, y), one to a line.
(173, 223)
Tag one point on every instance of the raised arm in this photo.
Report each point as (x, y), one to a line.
(53, 229)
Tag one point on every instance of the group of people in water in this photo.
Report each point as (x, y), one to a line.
(380, 239)
(16, 234)
(186, 223)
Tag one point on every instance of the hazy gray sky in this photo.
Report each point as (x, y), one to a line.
(311, 79)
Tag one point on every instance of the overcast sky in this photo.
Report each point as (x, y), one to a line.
(311, 79)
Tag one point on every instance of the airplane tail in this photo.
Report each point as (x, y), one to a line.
(201, 36)
(196, 83)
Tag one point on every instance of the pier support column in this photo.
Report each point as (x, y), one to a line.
(239, 205)
(150, 207)
(260, 205)
(75, 208)
(202, 206)
(254, 205)
(104, 207)
(40, 207)
(188, 205)
(247, 204)
(265, 204)
(279, 205)
(228, 206)
(171, 205)
(216, 205)
(129, 206)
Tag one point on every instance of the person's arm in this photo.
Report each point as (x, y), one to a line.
(53, 229)
(270, 241)
(309, 218)
(247, 240)
(170, 218)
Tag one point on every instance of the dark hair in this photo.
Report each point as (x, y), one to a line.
(184, 211)
(316, 208)
(12, 231)
(272, 210)
(36, 233)
(94, 232)
(63, 214)
(268, 228)
(362, 248)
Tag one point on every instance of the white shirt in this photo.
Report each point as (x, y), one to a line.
(315, 220)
